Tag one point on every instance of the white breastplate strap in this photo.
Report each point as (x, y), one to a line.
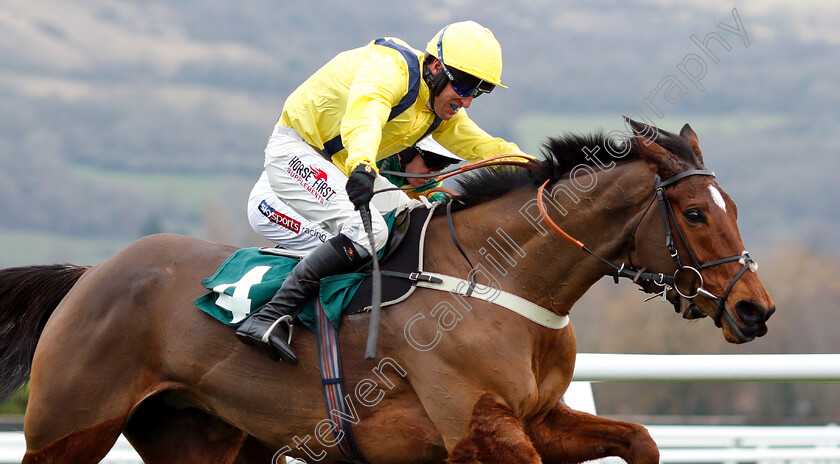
(498, 297)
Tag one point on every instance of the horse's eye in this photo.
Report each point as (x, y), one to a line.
(694, 215)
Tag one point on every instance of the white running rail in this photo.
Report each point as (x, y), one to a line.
(602, 367)
(719, 444)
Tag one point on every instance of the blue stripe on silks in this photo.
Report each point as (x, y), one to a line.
(335, 144)
(432, 127)
(413, 76)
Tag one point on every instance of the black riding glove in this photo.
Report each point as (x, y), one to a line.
(360, 185)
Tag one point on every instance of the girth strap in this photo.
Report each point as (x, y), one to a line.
(338, 403)
(412, 276)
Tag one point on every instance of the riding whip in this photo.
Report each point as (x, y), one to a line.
(376, 298)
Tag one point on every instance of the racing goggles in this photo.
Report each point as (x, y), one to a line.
(466, 85)
(433, 161)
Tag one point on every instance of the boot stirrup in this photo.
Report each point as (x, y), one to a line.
(284, 318)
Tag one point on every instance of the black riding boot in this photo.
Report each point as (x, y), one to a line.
(271, 326)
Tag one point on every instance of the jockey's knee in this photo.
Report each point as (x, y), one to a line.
(380, 233)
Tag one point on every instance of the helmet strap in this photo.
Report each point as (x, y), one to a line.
(436, 82)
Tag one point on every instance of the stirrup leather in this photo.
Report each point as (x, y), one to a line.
(284, 318)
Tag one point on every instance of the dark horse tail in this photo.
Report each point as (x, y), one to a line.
(28, 296)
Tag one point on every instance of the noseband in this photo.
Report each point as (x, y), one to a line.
(667, 283)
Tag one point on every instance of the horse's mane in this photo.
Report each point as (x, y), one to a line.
(559, 155)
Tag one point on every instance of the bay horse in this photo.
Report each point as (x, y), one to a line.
(120, 347)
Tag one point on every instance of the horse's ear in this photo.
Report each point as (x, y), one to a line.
(687, 133)
(658, 159)
(644, 130)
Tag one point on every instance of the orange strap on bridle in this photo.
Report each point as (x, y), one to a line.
(551, 223)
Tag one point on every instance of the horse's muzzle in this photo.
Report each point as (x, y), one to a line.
(754, 316)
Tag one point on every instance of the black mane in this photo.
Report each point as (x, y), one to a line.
(559, 156)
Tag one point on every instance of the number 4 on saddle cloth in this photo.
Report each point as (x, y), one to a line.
(248, 279)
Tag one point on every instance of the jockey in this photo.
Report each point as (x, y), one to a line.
(274, 220)
(363, 106)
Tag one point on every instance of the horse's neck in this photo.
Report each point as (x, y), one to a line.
(526, 258)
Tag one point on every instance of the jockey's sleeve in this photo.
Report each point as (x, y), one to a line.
(463, 137)
(382, 80)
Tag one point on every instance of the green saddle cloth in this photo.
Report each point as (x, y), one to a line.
(248, 279)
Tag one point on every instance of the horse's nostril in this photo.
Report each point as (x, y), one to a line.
(750, 312)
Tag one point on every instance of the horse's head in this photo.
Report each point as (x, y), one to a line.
(713, 275)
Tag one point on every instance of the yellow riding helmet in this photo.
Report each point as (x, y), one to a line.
(469, 47)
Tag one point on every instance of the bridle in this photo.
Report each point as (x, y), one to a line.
(687, 281)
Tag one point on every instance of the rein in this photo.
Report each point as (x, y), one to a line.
(691, 273)
(498, 160)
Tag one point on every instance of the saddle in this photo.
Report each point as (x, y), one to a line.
(400, 258)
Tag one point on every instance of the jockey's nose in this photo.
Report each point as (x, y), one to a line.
(466, 102)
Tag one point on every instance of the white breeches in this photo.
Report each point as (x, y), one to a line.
(300, 200)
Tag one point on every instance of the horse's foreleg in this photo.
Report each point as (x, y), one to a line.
(568, 436)
(84, 446)
(494, 435)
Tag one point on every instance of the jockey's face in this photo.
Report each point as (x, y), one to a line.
(444, 103)
(417, 166)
